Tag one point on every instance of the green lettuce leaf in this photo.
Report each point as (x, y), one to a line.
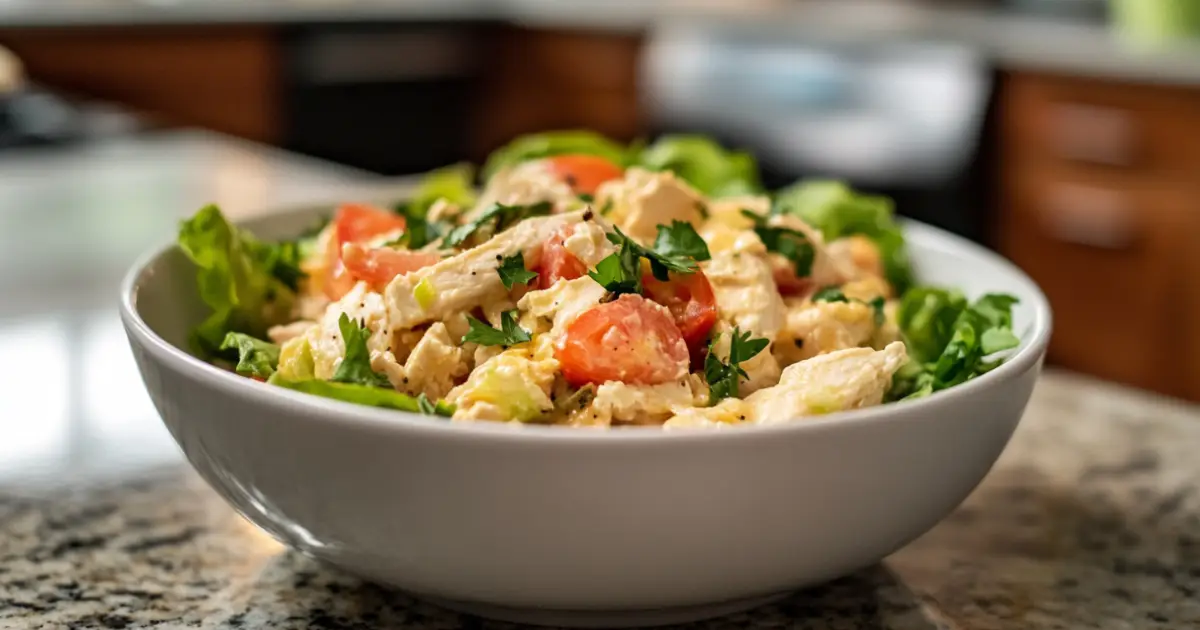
(837, 211)
(365, 395)
(237, 278)
(704, 164)
(453, 183)
(540, 145)
(927, 317)
(255, 356)
(950, 340)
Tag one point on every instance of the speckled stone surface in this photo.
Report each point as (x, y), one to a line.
(1090, 520)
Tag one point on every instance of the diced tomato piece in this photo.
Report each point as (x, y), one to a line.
(378, 266)
(358, 222)
(556, 262)
(631, 340)
(584, 173)
(689, 297)
(338, 281)
(354, 223)
(789, 284)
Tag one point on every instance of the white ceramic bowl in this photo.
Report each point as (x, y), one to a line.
(559, 525)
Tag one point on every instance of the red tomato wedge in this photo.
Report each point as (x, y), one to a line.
(378, 266)
(556, 262)
(359, 222)
(689, 297)
(631, 340)
(584, 173)
(789, 284)
(354, 223)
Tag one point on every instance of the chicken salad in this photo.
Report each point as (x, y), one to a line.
(589, 284)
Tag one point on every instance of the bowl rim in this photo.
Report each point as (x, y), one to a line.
(354, 416)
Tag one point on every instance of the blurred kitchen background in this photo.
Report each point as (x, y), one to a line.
(1063, 133)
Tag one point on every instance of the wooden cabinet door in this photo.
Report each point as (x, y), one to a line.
(1107, 251)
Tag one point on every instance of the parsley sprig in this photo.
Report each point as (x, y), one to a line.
(791, 244)
(419, 231)
(510, 334)
(723, 376)
(356, 364)
(835, 294)
(677, 248)
(499, 216)
(512, 271)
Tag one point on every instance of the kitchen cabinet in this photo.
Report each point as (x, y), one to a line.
(219, 77)
(1100, 204)
(541, 79)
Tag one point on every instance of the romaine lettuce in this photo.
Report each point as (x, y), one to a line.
(255, 356)
(704, 164)
(540, 145)
(365, 395)
(949, 340)
(240, 278)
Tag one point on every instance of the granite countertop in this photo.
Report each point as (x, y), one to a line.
(1090, 520)
(1010, 39)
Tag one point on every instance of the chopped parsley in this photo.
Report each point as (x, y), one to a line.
(356, 364)
(834, 294)
(723, 377)
(418, 230)
(499, 216)
(876, 304)
(830, 294)
(607, 207)
(676, 249)
(510, 334)
(512, 271)
(789, 243)
(586, 198)
(620, 272)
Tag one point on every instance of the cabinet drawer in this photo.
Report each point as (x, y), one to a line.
(1107, 252)
(1070, 120)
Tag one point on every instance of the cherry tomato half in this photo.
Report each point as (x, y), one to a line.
(631, 340)
(584, 173)
(556, 262)
(689, 297)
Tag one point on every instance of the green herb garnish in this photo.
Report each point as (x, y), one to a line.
(830, 294)
(724, 376)
(510, 334)
(512, 271)
(835, 294)
(677, 248)
(500, 217)
(356, 364)
(791, 244)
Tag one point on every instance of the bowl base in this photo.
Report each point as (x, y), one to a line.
(606, 618)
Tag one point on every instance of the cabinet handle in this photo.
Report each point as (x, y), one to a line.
(1090, 216)
(1093, 134)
